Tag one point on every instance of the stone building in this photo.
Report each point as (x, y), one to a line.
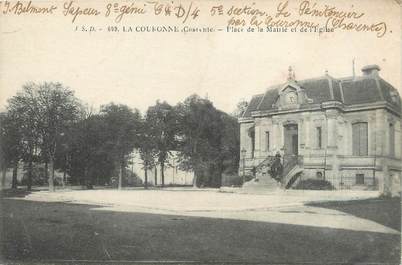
(344, 130)
(173, 174)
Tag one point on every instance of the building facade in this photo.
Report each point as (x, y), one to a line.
(173, 174)
(344, 130)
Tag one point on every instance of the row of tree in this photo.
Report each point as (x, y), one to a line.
(45, 124)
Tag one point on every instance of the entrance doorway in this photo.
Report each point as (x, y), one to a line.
(291, 139)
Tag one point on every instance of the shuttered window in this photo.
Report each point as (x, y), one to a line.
(359, 179)
(319, 137)
(267, 141)
(251, 134)
(360, 139)
(391, 139)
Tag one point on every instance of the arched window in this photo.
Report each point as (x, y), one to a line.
(360, 139)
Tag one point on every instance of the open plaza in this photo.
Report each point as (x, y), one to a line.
(187, 225)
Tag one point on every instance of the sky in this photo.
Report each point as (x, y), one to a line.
(138, 68)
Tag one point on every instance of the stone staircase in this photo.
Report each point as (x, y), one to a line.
(268, 184)
(291, 171)
(263, 180)
(293, 167)
(293, 177)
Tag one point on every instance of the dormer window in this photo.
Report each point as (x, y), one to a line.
(291, 97)
(394, 96)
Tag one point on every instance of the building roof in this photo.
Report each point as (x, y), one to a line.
(369, 88)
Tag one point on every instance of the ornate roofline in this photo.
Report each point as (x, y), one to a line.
(321, 107)
(333, 89)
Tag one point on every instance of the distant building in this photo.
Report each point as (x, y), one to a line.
(346, 130)
(173, 174)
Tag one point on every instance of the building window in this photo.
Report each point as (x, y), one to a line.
(267, 141)
(251, 134)
(360, 139)
(391, 139)
(319, 137)
(359, 179)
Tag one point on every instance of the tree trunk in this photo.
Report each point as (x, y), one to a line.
(53, 174)
(163, 174)
(29, 184)
(3, 177)
(219, 182)
(51, 177)
(146, 176)
(120, 176)
(195, 170)
(15, 171)
(47, 172)
(156, 176)
(64, 178)
(87, 181)
(195, 179)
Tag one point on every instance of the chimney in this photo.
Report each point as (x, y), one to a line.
(372, 70)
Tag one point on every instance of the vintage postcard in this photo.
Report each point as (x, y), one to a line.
(200, 132)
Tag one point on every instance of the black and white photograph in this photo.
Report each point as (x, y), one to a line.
(200, 132)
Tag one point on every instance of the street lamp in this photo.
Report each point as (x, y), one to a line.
(243, 155)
